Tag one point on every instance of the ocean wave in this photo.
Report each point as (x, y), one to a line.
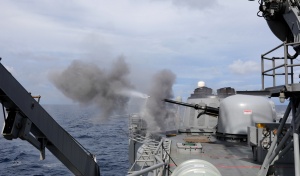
(103, 139)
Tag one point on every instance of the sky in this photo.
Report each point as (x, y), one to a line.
(215, 41)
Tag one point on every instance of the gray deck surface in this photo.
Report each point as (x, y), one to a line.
(230, 158)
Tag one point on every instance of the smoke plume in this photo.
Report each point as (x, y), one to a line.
(110, 90)
(88, 84)
(158, 112)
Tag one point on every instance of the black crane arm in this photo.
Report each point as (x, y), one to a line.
(27, 120)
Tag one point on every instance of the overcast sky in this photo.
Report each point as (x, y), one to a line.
(216, 41)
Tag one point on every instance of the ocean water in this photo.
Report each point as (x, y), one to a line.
(107, 139)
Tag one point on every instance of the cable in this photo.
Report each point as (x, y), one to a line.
(169, 170)
(168, 167)
(162, 145)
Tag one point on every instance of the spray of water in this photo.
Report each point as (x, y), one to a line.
(133, 93)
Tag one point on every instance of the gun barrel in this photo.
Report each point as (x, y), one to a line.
(180, 103)
(212, 111)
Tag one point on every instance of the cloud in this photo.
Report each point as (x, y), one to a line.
(244, 67)
(186, 36)
(195, 4)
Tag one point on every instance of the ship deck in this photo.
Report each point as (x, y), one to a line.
(230, 158)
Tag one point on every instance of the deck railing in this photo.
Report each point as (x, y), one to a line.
(154, 158)
(284, 68)
(153, 155)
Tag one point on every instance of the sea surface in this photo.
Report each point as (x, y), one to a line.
(105, 138)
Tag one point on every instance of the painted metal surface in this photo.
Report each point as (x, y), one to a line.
(235, 157)
(196, 167)
(239, 111)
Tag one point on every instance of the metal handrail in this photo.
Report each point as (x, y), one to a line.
(154, 156)
(287, 66)
(157, 156)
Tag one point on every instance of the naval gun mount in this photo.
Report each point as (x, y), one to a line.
(208, 110)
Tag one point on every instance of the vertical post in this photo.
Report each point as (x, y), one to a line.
(295, 138)
(262, 72)
(274, 80)
(296, 153)
(292, 71)
(285, 64)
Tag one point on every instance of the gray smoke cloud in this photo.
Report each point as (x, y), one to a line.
(88, 84)
(110, 90)
(159, 113)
